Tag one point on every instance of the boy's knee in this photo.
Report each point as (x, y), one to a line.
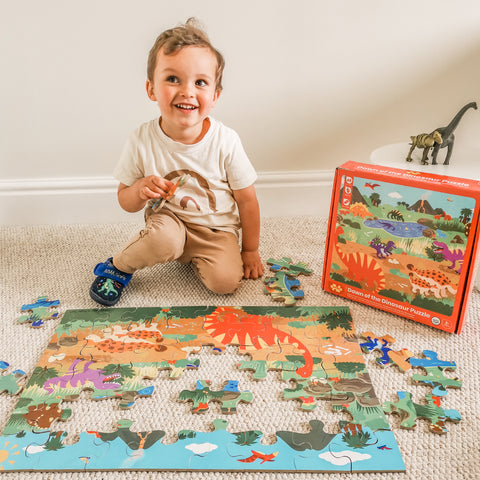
(221, 281)
(223, 285)
(163, 246)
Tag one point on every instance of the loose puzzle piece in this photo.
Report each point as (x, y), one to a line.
(432, 411)
(39, 311)
(283, 288)
(435, 377)
(389, 356)
(229, 396)
(10, 382)
(288, 267)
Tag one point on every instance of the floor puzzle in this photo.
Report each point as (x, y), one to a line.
(110, 353)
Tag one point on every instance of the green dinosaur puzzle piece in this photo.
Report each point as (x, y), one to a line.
(410, 411)
(282, 288)
(39, 311)
(230, 396)
(288, 267)
(435, 377)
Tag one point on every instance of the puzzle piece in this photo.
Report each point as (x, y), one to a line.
(10, 382)
(283, 288)
(134, 440)
(435, 377)
(39, 311)
(432, 411)
(229, 396)
(389, 356)
(288, 267)
(315, 439)
(42, 416)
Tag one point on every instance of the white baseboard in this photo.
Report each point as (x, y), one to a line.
(93, 199)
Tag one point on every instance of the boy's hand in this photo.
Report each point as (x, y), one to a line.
(252, 264)
(153, 187)
(134, 197)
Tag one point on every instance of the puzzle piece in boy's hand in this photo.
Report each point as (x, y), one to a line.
(230, 396)
(283, 289)
(435, 377)
(432, 411)
(134, 440)
(39, 311)
(11, 382)
(292, 270)
(389, 356)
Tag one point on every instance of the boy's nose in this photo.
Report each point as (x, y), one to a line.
(187, 91)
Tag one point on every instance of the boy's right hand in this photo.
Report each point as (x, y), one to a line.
(153, 187)
(134, 197)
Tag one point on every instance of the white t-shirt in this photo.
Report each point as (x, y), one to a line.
(217, 165)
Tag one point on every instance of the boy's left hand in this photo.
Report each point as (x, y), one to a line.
(252, 264)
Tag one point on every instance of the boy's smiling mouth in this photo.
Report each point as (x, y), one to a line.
(185, 106)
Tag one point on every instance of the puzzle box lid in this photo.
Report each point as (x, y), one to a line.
(387, 202)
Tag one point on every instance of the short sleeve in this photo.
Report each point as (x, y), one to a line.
(130, 166)
(240, 171)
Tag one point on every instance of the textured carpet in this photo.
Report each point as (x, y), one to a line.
(57, 262)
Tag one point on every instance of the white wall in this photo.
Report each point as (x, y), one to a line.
(308, 84)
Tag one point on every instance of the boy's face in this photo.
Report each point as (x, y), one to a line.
(184, 88)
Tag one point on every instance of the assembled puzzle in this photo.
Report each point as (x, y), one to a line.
(403, 241)
(111, 353)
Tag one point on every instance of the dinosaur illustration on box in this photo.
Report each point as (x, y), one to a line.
(454, 256)
(383, 250)
(360, 266)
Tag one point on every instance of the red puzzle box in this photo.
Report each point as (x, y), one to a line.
(404, 242)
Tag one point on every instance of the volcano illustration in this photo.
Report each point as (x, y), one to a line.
(357, 197)
(422, 206)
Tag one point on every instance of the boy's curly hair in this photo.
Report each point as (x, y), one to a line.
(186, 35)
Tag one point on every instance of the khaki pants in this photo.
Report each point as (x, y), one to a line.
(213, 254)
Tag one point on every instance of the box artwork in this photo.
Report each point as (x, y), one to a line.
(403, 241)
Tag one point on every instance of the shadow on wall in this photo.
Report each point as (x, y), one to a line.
(431, 103)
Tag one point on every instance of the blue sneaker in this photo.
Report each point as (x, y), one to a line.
(107, 288)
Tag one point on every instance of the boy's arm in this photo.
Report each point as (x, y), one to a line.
(249, 212)
(134, 197)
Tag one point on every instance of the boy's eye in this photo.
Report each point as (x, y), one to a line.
(172, 79)
(201, 83)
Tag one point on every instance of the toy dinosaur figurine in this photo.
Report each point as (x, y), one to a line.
(440, 138)
(447, 134)
(425, 141)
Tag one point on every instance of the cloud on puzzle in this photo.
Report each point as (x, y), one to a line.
(201, 448)
(344, 458)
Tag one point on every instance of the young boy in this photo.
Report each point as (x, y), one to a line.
(215, 195)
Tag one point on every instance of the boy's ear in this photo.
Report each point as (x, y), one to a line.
(150, 93)
(217, 93)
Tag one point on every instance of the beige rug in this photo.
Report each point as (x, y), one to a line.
(58, 262)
